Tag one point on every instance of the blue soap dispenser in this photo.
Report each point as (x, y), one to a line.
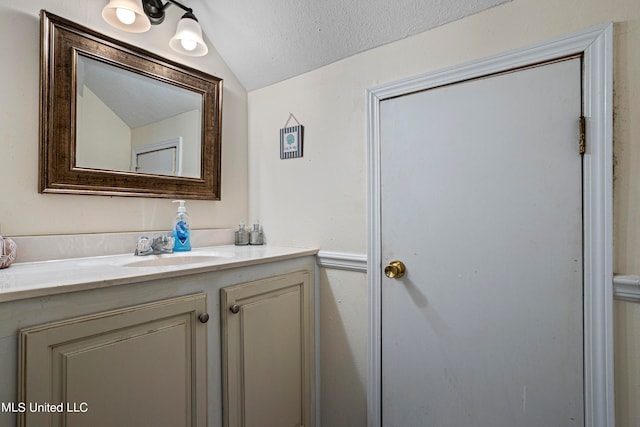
(181, 231)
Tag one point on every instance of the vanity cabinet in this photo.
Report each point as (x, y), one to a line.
(143, 365)
(133, 348)
(267, 352)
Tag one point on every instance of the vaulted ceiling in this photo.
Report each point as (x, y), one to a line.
(265, 42)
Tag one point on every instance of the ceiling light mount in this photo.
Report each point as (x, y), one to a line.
(138, 16)
(154, 9)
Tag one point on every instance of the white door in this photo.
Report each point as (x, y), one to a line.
(162, 158)
(481, 195)
(161, 161)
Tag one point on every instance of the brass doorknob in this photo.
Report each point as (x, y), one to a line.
(395, 270)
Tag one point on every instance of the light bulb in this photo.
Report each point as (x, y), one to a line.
(188, 37)
(126, 16)
(188, 44)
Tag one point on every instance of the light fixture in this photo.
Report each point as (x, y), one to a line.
(137, 16)
(188, 37)
(126, 15)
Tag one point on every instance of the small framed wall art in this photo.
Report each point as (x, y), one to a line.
(291, 139)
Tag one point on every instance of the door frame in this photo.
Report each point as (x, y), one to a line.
(596, 47)
(174, 143)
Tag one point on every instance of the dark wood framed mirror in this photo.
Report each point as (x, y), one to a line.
(118, 120)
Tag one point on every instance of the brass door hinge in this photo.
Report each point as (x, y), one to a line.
(583, 135)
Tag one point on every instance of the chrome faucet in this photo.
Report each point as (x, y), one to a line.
(160, 245)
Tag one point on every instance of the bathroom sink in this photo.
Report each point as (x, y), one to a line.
(166, 260)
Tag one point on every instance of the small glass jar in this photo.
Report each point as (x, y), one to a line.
(256, 235)
(242, 235)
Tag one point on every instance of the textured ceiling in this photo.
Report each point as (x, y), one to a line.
(136, 100)
(264, 42)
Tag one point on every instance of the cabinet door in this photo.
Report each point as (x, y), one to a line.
(139, 366)
(268, 357)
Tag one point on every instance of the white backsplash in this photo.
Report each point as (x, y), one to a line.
(45, 248)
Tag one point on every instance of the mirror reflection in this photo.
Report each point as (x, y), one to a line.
(113, 119)
(129, 122)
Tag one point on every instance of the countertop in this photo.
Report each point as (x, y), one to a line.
(35, 279)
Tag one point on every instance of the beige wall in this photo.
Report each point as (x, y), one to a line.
(320, 199)
(104, 140)
(25, 212)
(627, 363)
